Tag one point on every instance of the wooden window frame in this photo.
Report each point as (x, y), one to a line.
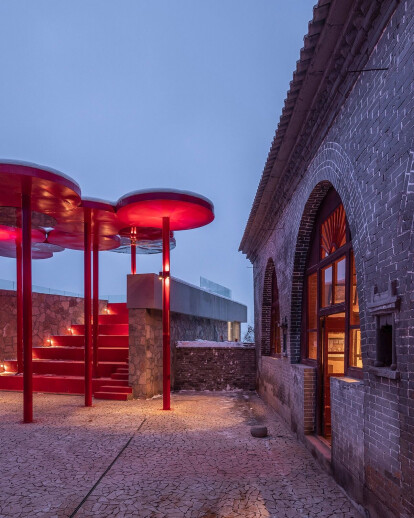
(344, 251)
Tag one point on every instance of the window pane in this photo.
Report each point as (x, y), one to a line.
(335, 335)
(312, 345)
(327, 286)
(355, 357)
(333, 232)
(313, 301)
(340, 268)
(354, 304)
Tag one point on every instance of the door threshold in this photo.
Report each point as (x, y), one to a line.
(320, 450)
(327, 442)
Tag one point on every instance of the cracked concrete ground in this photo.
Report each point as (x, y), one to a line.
(197, 461)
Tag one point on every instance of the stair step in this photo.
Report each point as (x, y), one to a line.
(113, 319)
(120, 376)
(58, 384)
(116, 388)
(116, 396)
(79, 340)
(66, 367)
(103, 329)
(117, 354)
(117, 308)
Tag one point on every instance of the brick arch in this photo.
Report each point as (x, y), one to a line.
(303, 243)
(331, 167)
(267, 308)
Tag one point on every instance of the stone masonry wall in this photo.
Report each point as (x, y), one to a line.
(367, 155)
(145, 345)
(215, 368)
(145, 352)
(52, 315)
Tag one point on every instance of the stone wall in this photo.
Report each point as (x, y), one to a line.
(364, 149)
(52, 315)
(215, 368)
(145, 345)
(145, 352)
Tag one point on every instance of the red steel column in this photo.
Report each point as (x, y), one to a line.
(95, 306)
(133, 258)
(87, 302)
(27, 303)
(19, 302)
(166, 313)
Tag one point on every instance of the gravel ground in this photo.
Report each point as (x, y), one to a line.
(131, 459)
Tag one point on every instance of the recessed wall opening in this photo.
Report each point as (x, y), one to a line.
(385, 345)
(331, 336)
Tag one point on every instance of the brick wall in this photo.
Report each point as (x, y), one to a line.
(274, 385)
(347, 407)
(215, 368)
(52, 315)
(365, 151)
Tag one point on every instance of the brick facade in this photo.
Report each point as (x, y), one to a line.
(215, 368)
(362, 146)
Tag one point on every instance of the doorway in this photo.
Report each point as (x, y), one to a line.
(332, 363)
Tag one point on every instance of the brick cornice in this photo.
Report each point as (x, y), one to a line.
(340, 39)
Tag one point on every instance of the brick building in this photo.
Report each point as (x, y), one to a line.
(331, 239)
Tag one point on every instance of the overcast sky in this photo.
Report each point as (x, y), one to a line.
(134, 94)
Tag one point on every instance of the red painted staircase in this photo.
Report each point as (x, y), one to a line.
(59, 367)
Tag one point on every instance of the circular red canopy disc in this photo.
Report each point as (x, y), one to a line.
(104, 220)
(76, 241)
(10, 235)
(51, 192)
(36, 254)
(140, 233)
(185, 210)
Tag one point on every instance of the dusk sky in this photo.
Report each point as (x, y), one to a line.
(133, 94)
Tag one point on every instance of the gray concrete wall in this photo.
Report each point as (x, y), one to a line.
(144, 291)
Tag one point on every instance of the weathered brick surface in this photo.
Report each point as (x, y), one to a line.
(347, 404)
(52, 315)
(215, 368)
(275, 386)
(364, 148)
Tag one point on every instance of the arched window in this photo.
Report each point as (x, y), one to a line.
(275, 345)
(332, 337)
(271, 335)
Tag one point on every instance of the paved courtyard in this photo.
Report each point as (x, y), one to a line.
(132, 459)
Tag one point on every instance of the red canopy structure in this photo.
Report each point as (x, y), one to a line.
(30, 187)
(50, 202)
(92, 226)
(167, 210)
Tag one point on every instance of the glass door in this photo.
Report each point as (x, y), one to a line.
(333, 361)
